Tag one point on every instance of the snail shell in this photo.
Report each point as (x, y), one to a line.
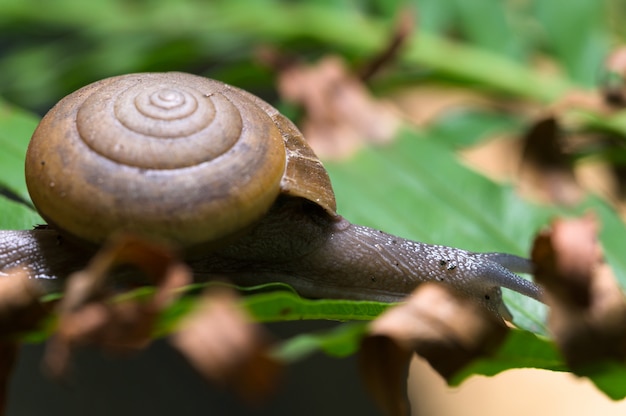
(170, 155)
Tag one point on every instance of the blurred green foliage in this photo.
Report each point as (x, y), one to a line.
(48, 49)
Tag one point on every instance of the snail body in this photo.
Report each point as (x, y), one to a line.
(220, 173)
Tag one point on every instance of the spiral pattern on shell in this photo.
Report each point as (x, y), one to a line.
(171, 155)
(162, 124)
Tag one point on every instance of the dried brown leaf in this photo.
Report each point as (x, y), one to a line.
(587, 308)
(341, 114)
(20, 307)
(546, 170)
(448, 330)
(384, 369)
(223, 344)
(20, 311)
(550, 170)
(89, 315)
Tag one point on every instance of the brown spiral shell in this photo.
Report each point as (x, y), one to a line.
(171, 155)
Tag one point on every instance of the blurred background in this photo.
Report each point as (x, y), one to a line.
(481, 74)
(50, 49)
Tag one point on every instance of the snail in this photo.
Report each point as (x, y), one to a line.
(222, 174)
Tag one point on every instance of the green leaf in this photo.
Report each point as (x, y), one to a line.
(466, 127)
(525, 350)
(16, 127)
(489, 24)
(286, 306)
(610, 378)
(17, 216)
(521, 349)
(342, 341)
(576, 34)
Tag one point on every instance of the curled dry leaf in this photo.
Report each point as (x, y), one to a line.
(341, 114)
(587, 308)
(384, 369)
(448, 330)
(223, 344)
(20, 306)
(549, 168)
(547, 171)
(89, 315)
(20, 310)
